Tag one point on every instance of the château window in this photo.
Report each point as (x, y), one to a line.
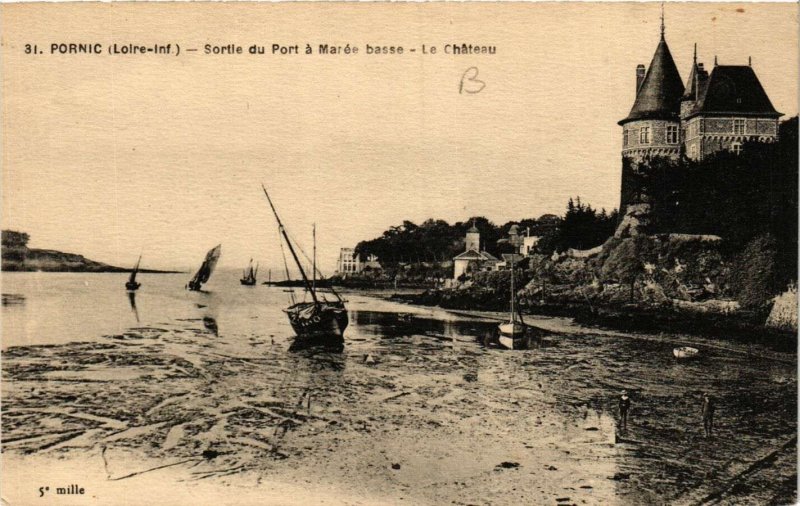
(693, 151)
(625, 138)
(672, 134)
(738, 126)
(644, 135)
(736, 147)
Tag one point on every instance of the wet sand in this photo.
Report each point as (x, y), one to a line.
(411, 412)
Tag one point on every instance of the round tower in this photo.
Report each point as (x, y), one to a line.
(652, 128)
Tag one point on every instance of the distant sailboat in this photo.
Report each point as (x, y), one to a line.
(514, 334)
(205, 270)
(132, 284)
(320, 317)
(249, 275)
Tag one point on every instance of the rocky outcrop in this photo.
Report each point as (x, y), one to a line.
(784, 312)
(661, 270)
(52, 261)
(634, 222)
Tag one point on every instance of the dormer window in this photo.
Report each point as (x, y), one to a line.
(644, 135)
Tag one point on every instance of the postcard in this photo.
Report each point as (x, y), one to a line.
(399, 253)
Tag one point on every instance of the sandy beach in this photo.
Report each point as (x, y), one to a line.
(413, 411)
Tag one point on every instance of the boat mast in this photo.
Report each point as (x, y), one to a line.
(291, 249)
(314, 262)
(512, 288)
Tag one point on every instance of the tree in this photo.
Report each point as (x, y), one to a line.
(754, 277)
(15, 245)
(582, 227)
(14, 239)
(543, 270)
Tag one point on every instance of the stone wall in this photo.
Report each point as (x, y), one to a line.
(658, 145)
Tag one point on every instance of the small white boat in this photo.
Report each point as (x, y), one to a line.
(685, 352)
(513, 335)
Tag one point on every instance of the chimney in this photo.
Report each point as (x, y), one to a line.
(639, 76)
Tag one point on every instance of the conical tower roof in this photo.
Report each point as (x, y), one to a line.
(691, 83)
(697, 77)
(660, 93)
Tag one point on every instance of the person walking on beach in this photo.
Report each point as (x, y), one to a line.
(624, 407)
(708, 414)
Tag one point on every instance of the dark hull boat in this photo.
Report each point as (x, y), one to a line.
(204, 272)
(249, 275)
(320, 320)
(131, 284)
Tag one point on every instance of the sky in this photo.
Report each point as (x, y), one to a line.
(110, 156)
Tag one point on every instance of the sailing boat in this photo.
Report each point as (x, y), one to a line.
(320, 317)
(205, 270)
(514, 334)
(249, 275)
(131, 284)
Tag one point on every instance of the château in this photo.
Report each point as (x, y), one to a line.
(715, 111)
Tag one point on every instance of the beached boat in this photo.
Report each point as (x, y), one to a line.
(131, 284)
(685, 352)
(319, 317)
(513, 335)
(249, 275)
(205, 270)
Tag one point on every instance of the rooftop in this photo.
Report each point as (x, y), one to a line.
(658, 97)
(733, 89)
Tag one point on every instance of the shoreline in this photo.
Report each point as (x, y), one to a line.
(112, 270)
(559, 323)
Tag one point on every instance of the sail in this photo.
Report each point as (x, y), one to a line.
(209, 263)
(249, 274)
(135, 270)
